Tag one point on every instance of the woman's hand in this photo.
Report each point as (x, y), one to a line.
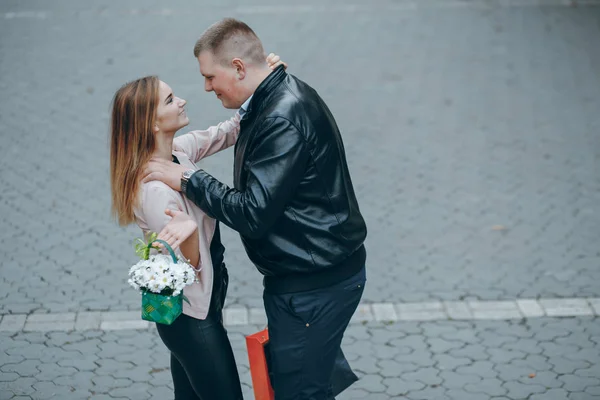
(178, 229)
(274, 61)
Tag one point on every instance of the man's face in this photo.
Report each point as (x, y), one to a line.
(222, 80)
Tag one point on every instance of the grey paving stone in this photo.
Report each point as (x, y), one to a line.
(50, 371)
(529, 346)
(483, 369)
(53, 317)
(447, 362)
(418, 357)
(362, 313)
(535, 362)
(384, 312)
(519, 390)
(257, 316)
(460, 394)
(530, 308)
(385, 351)
(453, 380)
(24, 368)
(133, 391)
(8, 376)
(587, 354)
(492, 338)
(22, 386)
(400, 387)
(383, 336)
(392, 368)
(595, 304)
(488, 386)
(372, 383)
(576, 383)
(593, 371)
(85, 363)
(88, 321)
(512, 372)
(593, 390)
(457, 310)
(160, 393)
(12, 323)
(462, 335)
(443, 346)
(106, 383)
(124, 325)
(579, 396)
(562, 365)
(48, 390)
(79, 380)
(502, 355)
(60, 326)
(428, 393)
(366, 365)
(474, 352)
(552, 394)
(355, 394)
(428, 376)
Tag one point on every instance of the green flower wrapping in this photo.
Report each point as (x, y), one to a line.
(161, 309)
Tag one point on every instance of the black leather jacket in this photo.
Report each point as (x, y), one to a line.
(293, 202)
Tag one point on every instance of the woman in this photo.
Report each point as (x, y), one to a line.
(145, 117)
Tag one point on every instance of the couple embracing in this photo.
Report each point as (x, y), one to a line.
(292, 203)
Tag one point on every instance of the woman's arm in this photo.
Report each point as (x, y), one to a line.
(182, 231)
(157, 199)
(199, 144)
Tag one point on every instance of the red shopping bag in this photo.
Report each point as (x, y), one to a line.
(259, 369)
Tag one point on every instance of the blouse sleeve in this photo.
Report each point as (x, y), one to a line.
(199, 144)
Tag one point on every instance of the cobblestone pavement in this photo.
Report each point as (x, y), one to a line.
(473, 137)
(541, 359)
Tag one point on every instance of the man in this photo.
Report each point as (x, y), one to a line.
(293, 204)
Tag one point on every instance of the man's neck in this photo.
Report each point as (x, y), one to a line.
(256, 78)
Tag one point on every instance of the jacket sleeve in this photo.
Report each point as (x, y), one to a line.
(199, 144)
(274, 170)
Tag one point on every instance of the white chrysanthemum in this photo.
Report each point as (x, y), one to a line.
(160, 273)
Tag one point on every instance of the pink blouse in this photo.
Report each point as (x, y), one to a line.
(156, 196)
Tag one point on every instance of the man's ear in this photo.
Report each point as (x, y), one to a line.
(240, 68)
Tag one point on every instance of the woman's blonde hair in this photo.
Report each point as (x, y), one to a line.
(131, 143)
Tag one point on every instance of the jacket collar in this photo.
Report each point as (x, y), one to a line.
(266, 87)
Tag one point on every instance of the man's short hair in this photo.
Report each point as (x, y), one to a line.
(228, 39)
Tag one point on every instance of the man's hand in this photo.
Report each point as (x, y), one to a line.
(165, 171)
(274, 61)
(178, 229)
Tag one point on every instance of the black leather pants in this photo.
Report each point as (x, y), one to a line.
(202, 362)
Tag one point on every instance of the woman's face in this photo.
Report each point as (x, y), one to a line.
(170, 114)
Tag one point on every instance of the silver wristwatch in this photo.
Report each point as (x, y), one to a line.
(185, 177)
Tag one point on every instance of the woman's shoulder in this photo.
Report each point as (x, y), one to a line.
(156, 194)
(156, 187)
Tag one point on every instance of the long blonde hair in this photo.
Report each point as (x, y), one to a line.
(131, 143)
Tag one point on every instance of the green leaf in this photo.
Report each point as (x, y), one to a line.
(141, 248)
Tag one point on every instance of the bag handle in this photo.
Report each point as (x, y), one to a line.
(167, 246)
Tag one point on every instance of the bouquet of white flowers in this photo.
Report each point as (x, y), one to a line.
(160, 279)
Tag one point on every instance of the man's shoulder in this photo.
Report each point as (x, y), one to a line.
(290, 98)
